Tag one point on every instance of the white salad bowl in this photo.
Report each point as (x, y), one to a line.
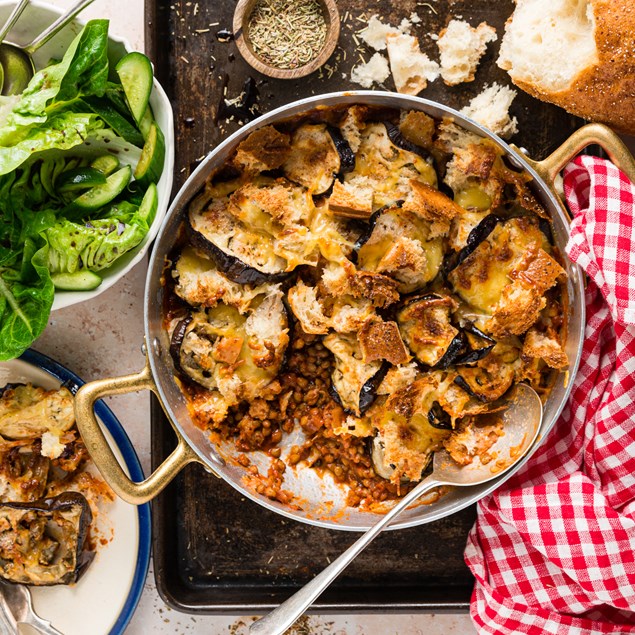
(36, 17)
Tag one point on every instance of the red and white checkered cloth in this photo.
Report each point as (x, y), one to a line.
(553, 549)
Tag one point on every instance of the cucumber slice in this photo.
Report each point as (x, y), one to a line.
(149, 204)
(106, 164)
(146, 122)
(79, 179)
(78, 281)
(114, 120)
(152, 157)
(101, 195)
(135, 74)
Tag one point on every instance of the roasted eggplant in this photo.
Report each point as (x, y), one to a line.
(388, 167)
(314, 159)
(354, 383)
(425, 326)
(199, 283)
(28, 411)
(408, 433)
(258, 233)
(399, 245)
(234, 354)
(43, 543)
(506, 276)
(347, 156)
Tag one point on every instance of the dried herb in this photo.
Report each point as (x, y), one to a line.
(287, 33)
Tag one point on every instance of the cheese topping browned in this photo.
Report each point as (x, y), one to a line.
(375, 280)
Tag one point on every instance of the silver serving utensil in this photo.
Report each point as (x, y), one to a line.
(17, 61)
(16, 608)
(521, 422)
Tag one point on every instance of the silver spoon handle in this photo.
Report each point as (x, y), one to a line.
(281, 618)
(13, 18)
(58, 25)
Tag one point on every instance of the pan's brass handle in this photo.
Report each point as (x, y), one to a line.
(618, 153)
(100, 451)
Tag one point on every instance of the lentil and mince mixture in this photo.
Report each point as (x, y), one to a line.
(377, 280)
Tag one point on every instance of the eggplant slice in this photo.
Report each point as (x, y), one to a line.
(200, 283)
(314, 159)
(399, 245)
(258, 234)
(424, 323)
(28, 411)
(354, 383)
(408, 434)
(43, 543)
(233, 354)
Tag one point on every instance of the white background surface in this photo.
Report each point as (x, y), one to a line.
(102, 339)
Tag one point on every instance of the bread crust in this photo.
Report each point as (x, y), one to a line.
(605, 91)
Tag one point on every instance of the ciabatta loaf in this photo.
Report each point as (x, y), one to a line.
(578, 54)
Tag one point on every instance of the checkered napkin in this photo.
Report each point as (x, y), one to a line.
(553, 549)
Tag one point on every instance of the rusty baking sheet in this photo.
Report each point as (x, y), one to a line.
(214, 551)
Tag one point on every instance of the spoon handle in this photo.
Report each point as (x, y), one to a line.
(58, 25)
(281, 618)
(13, 18)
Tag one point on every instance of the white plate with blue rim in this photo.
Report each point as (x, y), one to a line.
(103, 600)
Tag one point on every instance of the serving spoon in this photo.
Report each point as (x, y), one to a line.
(17, 61)
(521, 423)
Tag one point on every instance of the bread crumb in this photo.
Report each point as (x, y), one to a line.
(490, 108)
(51, 446)
(375, 33)
(411, 69)
(461, 48)
(375, 71)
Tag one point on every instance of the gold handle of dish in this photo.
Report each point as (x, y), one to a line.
(100, 451)
(603, 136)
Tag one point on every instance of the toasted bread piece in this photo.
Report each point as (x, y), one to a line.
(263, 149)
(542, 346)
(418, 128)
(313, 160)
(352, 199)
(382, 340)
(523, 299)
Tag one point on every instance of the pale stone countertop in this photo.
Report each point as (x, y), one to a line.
(103, 338)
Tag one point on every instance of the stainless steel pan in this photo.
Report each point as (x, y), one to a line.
(324, 503)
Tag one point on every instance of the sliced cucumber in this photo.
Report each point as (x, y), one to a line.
(149, 204)
(79, 179)
(135, 74)
(115, 120)
(106, 164)
(101, 195)
(78, 281)
(146, 122)
(152, 157)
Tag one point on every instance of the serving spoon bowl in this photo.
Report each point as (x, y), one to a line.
(521, 421)
(16, 62)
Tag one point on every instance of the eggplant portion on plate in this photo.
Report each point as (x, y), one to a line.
(43, 543)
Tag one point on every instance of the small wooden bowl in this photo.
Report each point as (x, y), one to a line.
(241, 36)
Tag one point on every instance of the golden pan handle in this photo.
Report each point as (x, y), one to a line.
(101, 452)
(549, 168)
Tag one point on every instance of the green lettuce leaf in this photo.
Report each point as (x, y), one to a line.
(82, 71)
(94, 245)
(62, 132)
(26, 298)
